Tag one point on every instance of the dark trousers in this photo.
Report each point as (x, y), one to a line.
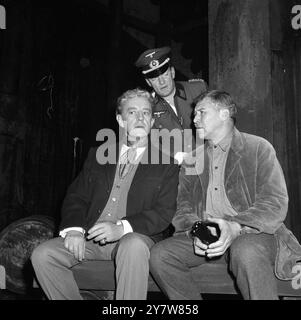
(251, 259)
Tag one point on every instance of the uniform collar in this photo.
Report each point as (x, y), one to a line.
(180, 92)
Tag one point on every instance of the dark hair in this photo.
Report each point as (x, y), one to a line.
(127, 95)
(222, 100)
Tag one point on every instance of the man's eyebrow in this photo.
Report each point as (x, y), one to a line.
(134, 108)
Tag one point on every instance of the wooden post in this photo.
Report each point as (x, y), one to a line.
(252, 57)
(239, 59)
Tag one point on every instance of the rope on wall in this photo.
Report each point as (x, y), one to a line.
(47, 84)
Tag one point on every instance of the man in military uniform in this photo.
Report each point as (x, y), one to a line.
(173, 100)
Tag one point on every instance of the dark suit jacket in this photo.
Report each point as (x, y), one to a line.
(151, 201)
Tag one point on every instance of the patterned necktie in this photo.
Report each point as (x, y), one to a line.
(127, 160)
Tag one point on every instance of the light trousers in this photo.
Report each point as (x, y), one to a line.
(52, 263)
(251, 259)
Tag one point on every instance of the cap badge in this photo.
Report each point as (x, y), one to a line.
(154, 64)
(150, 54)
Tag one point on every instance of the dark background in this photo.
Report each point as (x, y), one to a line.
(62, 66)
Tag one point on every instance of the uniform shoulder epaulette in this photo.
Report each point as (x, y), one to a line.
(196, 80)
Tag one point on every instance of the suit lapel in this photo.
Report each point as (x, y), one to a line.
(141, 172)
(234, 155)
(144, 165)
(204, 176)
(232, 162)
(110, 169)
(110, 174)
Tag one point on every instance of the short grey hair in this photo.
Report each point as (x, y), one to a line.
(133, 93)
(222, 98)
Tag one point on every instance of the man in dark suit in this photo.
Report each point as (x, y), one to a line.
(174, 101)
(113, 212)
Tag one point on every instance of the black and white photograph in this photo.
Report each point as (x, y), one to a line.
(150, 154)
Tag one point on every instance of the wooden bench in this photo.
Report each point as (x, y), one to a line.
(93, 275)
(211, 279)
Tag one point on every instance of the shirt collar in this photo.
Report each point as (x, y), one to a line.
(125, 148)
(224, 144)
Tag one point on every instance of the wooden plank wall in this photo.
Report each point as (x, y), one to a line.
(69, 42)
(37, 121)
(292, 86)
(286, 103)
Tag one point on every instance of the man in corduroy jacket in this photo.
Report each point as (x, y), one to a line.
(242, 192)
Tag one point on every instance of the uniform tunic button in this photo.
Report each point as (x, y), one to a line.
(114, 199)
(109, 214)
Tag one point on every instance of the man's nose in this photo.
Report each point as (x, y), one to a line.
(196, 119)
(140, 115)
(161, 80)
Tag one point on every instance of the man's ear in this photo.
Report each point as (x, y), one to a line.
(224, 114)
(120, 121)
(172, 71)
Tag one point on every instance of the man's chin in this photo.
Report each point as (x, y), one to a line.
(164, 92)
(138, 133)
(201, 133)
